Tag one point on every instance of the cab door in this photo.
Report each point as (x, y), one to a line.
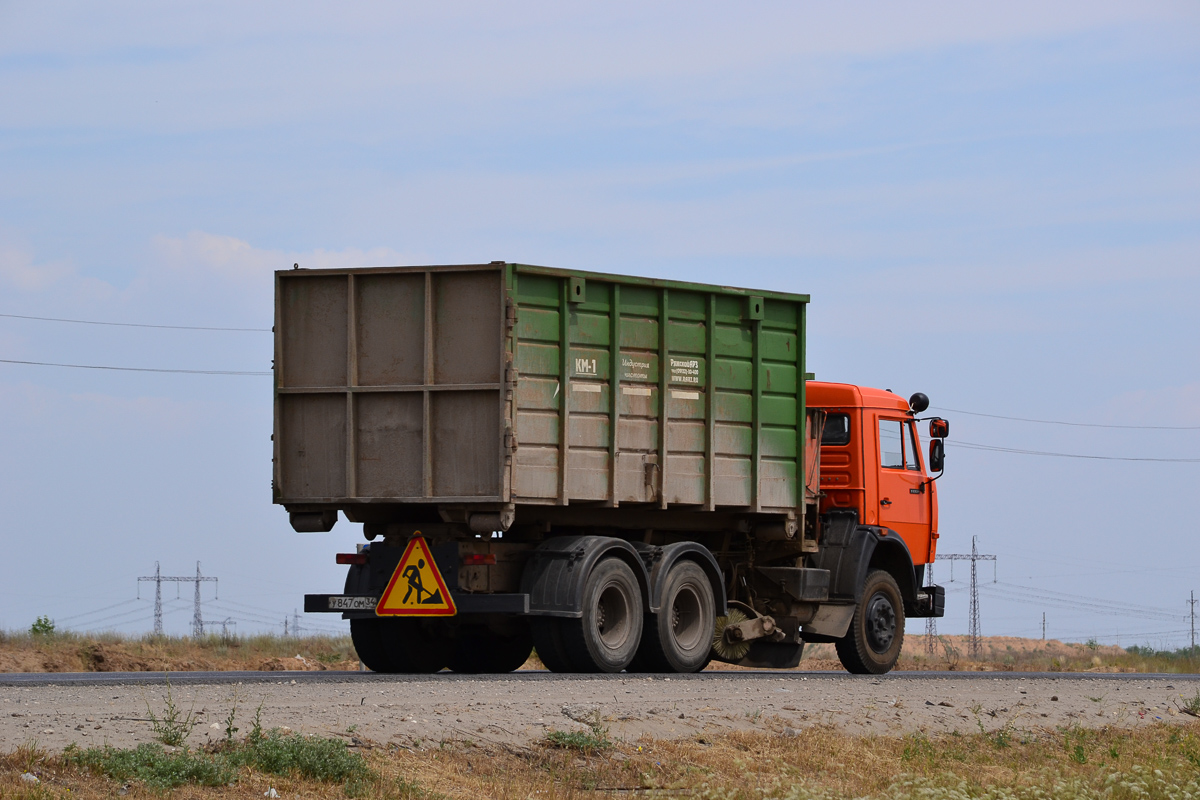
(904, 497)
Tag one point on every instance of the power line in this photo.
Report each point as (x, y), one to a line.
(127, 618)
(137, 324)
(1019, 451)
(132, 369)
(1073, 424)
(1075, 598)
(1038, 599)
(95, 611)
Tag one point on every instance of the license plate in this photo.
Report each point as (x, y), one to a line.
(344, 603)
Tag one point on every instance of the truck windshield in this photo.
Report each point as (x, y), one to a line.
(837, 430)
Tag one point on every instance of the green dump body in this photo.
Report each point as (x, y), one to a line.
(538, 394)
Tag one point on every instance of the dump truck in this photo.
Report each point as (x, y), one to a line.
(619, 472)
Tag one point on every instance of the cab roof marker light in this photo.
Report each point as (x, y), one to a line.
(351, 558)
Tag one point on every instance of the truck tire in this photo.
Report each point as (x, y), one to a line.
(416, 646)
(368, 644)
(679, 637)
(548, 643)
(876, 635)
(481, 649)
(606, 637)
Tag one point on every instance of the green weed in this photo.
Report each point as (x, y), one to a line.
(256, 728)
(230, 728)
(174, 727)
(589, 741)
(316, 758)
(152, 765)
(312, 757)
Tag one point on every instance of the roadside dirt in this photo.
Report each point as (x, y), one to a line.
(514, 711)
(73, 653)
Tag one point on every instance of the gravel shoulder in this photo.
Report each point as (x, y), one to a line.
(518, 709)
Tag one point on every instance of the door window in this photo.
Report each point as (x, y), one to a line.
(911, 459)
(891, 446)
(898, 445)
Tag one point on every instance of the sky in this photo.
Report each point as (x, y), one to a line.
(997, 205)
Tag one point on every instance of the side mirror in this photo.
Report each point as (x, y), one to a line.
(939, 428)
(918, 402)
(937, 455)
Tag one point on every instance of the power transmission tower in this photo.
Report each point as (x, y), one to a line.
(974, 557)
(295, 623)
(1192, 603)
(159, 579)
(930, 622)
(1043, 626)
(158, 628)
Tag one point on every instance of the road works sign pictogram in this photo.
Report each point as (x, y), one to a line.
(416, 588)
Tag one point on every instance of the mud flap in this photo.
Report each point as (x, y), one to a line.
(772, 655)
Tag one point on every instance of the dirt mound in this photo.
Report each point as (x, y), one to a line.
(101, 657)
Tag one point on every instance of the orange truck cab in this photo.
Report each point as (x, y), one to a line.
(878, 486)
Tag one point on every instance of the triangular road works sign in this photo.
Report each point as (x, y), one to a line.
(416, 588)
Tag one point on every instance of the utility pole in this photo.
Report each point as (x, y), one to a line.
(930, 622)
(159, 579)
(974, 557)
(1043, 626)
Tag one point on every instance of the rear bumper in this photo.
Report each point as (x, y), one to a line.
(931, 602)
(357, 606)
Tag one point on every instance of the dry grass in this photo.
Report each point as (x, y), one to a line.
(815, 762)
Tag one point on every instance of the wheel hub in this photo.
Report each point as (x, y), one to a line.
(880, 623)
(612, 617)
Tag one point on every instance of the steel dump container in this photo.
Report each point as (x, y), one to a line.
(411, 393)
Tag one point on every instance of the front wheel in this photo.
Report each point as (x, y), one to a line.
(876, 635)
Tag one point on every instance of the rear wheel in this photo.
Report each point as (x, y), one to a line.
(876, 635)
(679, 637)
(548, 642)
(606, 637)
(414, 645)
(492, 648)
(368, 643)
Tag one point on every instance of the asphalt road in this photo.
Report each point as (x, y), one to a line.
(516, 709)
(335, 676)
